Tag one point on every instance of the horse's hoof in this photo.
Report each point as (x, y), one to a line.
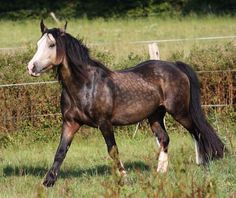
(48, 183)
(50, 179)
(161, 170)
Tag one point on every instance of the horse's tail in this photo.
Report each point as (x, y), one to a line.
(209, 145)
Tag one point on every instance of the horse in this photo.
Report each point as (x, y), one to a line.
(97, 96)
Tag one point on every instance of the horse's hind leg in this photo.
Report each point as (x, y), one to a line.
(156, 121)
(186, 121)
(107, 132)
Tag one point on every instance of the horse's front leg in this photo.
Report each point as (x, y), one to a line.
(68, 131)
(107, 132)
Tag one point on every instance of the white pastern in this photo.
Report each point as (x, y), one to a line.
(198, 157)
(122, 172)
(162, 162)
(158, 143)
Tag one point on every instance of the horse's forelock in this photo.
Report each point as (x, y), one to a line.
(75, 52)
(60, 43)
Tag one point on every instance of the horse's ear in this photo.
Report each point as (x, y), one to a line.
(43, 27)
(63, 30)
(65, 26)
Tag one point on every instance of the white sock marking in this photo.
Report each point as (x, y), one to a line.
(158, 144)
(162, 162)
(198, 157)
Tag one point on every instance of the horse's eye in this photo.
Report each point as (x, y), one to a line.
(52, 45)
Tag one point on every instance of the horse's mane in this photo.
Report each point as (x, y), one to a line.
(76, 52)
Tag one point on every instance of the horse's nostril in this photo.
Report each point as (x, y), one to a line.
(34, 68)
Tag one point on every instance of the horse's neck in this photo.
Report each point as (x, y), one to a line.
(70, 85)
(68, 79)
(77, 78)
(73, 83)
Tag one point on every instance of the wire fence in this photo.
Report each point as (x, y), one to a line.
(232, 37)
(131, 42)
(185, 39)
(28, 83)
(54, 81)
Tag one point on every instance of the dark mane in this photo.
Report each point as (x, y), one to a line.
(76, 52)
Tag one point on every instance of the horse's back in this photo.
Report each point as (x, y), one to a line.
(156, 73)
(155, 70)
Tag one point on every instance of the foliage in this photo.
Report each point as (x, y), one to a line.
(13, 66)
(216, 57)
(213, 58)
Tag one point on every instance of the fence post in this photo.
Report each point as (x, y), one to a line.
(154, 54)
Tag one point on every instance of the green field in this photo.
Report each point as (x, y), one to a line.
(28, 152)
(115, 36)
(87, 172)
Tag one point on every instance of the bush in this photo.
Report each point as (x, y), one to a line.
(212, 60)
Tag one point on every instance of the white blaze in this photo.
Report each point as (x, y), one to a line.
(44, 56)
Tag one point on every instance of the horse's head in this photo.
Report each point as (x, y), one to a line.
(49, 52)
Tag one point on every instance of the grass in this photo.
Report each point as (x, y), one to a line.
(86, 171)
(114, 36)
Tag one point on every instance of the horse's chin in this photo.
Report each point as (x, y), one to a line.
(35, 75)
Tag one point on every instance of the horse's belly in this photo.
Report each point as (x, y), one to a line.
(133, 113)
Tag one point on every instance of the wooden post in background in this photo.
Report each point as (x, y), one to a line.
(54, 18)
(154, 54)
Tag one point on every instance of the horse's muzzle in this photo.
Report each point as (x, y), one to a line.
(34, 69)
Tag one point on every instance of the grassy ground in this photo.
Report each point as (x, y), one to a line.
(114, 36)
(87, 172)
